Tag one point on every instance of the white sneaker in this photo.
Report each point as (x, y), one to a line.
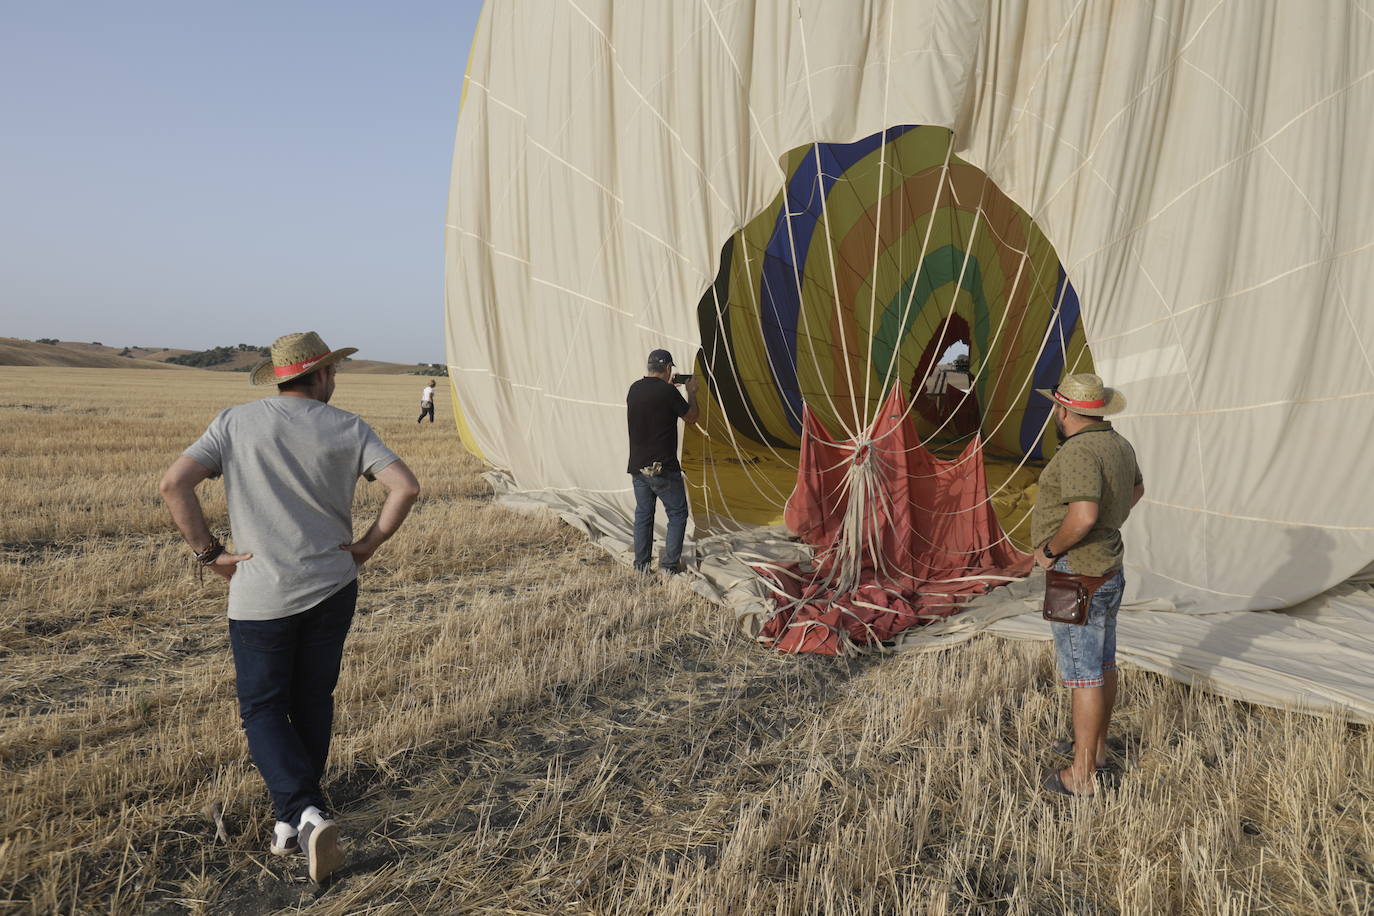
(319, 837)
(284, 840)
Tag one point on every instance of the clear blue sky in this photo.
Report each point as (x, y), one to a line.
(190, 174)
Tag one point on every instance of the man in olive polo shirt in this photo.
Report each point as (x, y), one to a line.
(1085, 494)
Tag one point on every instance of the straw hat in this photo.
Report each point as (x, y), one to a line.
(294, 355)
(1084, 393)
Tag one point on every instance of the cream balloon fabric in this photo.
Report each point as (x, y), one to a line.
(1202, 170)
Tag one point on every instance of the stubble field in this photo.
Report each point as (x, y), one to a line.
(525, 726)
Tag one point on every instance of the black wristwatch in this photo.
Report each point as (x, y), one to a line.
(1051, 556)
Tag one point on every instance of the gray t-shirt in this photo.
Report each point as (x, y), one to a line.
(290, 466)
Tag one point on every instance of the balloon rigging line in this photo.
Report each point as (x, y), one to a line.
(825, 221)
(804, 313)
(920, 260)
(730, 431)
(877, 238)
(754, 294)
(739, 385)
(878, 217)
(946, 468)
(944, 326)
(983, 365)
(782, 173)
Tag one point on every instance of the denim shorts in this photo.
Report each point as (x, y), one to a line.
(1087, 651)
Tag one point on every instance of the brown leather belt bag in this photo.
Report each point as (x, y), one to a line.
(1068, 595)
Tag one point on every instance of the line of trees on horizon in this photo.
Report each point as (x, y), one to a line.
(216, 356)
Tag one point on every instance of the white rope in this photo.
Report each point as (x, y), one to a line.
(825, 220)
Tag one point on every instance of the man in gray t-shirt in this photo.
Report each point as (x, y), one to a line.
(290, 465)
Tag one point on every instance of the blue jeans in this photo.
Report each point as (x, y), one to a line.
(285, 670)
(1087, 651)
(669, 488)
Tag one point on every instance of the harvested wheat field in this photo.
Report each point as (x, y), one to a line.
(527, 727)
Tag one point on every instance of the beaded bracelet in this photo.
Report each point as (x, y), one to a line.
(208, 556)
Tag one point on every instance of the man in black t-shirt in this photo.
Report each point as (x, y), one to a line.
(652, 409)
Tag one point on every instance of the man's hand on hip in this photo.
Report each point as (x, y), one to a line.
(226, 564)
(402, 489)
(362, 550)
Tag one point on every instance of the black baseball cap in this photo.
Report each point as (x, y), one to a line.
(661, 357)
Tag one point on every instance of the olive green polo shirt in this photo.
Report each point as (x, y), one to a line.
(1096, 465)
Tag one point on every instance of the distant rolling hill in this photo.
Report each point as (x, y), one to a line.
(15, 352)
(81, 355)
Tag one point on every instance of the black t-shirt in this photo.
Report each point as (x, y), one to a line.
(652, 409)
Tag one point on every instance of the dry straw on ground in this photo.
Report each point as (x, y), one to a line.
(526, 727)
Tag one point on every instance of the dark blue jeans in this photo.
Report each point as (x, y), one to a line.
(286, 670)
(669, 488)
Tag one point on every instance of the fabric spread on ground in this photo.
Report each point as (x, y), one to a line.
(1317, 656)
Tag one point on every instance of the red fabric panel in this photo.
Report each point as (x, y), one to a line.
(921, 524)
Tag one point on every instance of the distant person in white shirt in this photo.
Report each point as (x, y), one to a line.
(427, 402)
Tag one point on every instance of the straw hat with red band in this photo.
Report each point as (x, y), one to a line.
(1084, 393)
(294, 355)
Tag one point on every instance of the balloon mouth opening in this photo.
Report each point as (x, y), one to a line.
(885, 263)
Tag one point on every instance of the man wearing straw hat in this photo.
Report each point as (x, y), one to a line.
(1085, 494)
(290, 466)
